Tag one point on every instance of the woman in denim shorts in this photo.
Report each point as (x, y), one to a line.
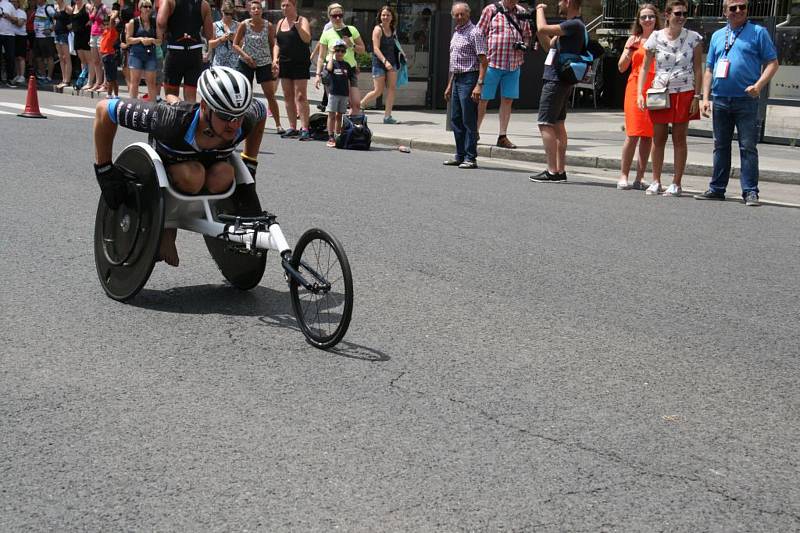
(140, 35)
(385, 62)
(63, 18)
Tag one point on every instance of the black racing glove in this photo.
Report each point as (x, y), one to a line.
(251, 165)
(112, 184)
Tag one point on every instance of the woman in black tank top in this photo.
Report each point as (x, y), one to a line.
(385, 62)
(293, 35)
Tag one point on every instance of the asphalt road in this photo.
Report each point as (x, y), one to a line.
(522, 356)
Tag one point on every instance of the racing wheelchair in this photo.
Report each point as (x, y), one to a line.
(237, 233)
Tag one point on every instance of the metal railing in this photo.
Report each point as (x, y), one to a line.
(625, 10)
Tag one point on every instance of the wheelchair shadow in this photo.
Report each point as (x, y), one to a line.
(273, 309)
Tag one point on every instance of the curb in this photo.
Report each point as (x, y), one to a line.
(495, 152)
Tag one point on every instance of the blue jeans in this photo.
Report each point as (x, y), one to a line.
(741, 113)
(464, 116)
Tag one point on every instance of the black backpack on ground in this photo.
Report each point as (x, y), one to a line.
(356, 135)
(318, 126)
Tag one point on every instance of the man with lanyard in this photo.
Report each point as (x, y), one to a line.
(183, 21)
(194, 140)
(505, 36)
(467, 70)
(735, 58)
(568, 37)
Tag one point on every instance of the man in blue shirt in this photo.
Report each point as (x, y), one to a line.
(734, 75)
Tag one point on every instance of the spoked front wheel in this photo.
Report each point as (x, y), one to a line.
(324, 307)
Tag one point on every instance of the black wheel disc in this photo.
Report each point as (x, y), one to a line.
(323, 315)
(126, 239)
(243, 270)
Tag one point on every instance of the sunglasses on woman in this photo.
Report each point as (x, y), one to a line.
(647, 17)
(337, 16)
(734, 9)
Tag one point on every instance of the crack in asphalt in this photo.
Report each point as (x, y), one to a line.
(607, 454)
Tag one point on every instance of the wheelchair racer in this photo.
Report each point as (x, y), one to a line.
(194, 140)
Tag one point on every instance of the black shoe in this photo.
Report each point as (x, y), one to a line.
(321, 107)
(751, 199)
(468, 164)
(710, 195)
(546, 176)
(452, 163)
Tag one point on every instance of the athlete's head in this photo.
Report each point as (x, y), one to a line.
(227, 94)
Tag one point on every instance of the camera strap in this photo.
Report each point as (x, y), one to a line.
(500, 9)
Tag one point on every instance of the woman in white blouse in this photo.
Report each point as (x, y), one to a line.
(678, 55)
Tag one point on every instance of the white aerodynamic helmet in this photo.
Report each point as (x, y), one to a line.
(225, 90)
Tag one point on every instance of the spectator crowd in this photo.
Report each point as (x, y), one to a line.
(167, 44)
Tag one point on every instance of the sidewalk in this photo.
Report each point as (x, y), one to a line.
(595, 140)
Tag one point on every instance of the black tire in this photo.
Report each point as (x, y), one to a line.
(323, 318)
(243, 271)
(126, 240)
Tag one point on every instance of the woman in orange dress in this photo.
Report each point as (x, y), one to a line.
(638, 127)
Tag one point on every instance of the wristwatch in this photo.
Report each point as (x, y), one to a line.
(480, 82)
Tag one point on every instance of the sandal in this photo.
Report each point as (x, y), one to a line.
(279, 130)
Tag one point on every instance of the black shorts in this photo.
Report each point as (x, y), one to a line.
(262, 74)
(292, 70)
(110, 67)
(183, 66)
(553, 102)
(44, 47)
(20, 45)
(81, 41)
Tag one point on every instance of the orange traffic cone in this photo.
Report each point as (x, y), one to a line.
(32, 102)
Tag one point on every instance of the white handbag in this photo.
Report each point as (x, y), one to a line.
(657, 99)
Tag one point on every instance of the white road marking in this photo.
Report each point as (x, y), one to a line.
(76, 108)
(45, 111)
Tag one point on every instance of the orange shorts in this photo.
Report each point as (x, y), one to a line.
(678, 111)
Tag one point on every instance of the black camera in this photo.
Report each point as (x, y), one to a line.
(519, 45)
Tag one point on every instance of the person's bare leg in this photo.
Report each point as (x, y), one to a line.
(189, 178)
(391, 91)
(150, 80)
(482, 112)
(189, 93)
(378, 85)
(679, 133)
(659, 142)
(550, 142)
(355, 100)
(561, 153)
(301, 101)
(505, 115)
(645, 145)
(628, 150)
(289, 102)
(269, 93)
(133, 87)
(219, 177)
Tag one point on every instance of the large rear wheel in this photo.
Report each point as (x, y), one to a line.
(324, 311)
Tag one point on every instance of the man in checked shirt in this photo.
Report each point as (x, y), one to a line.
(467, 71)
(505, 59)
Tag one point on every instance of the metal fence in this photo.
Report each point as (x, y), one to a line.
(625, 10)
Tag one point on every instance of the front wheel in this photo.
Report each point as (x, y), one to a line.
(323, 312)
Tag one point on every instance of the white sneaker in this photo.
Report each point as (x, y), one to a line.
(673, 190)
(19, 79)
(654, 188)
(623, 185)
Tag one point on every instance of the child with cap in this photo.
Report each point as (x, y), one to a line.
(338, 75)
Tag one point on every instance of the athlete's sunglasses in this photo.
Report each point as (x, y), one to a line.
(225, 117)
